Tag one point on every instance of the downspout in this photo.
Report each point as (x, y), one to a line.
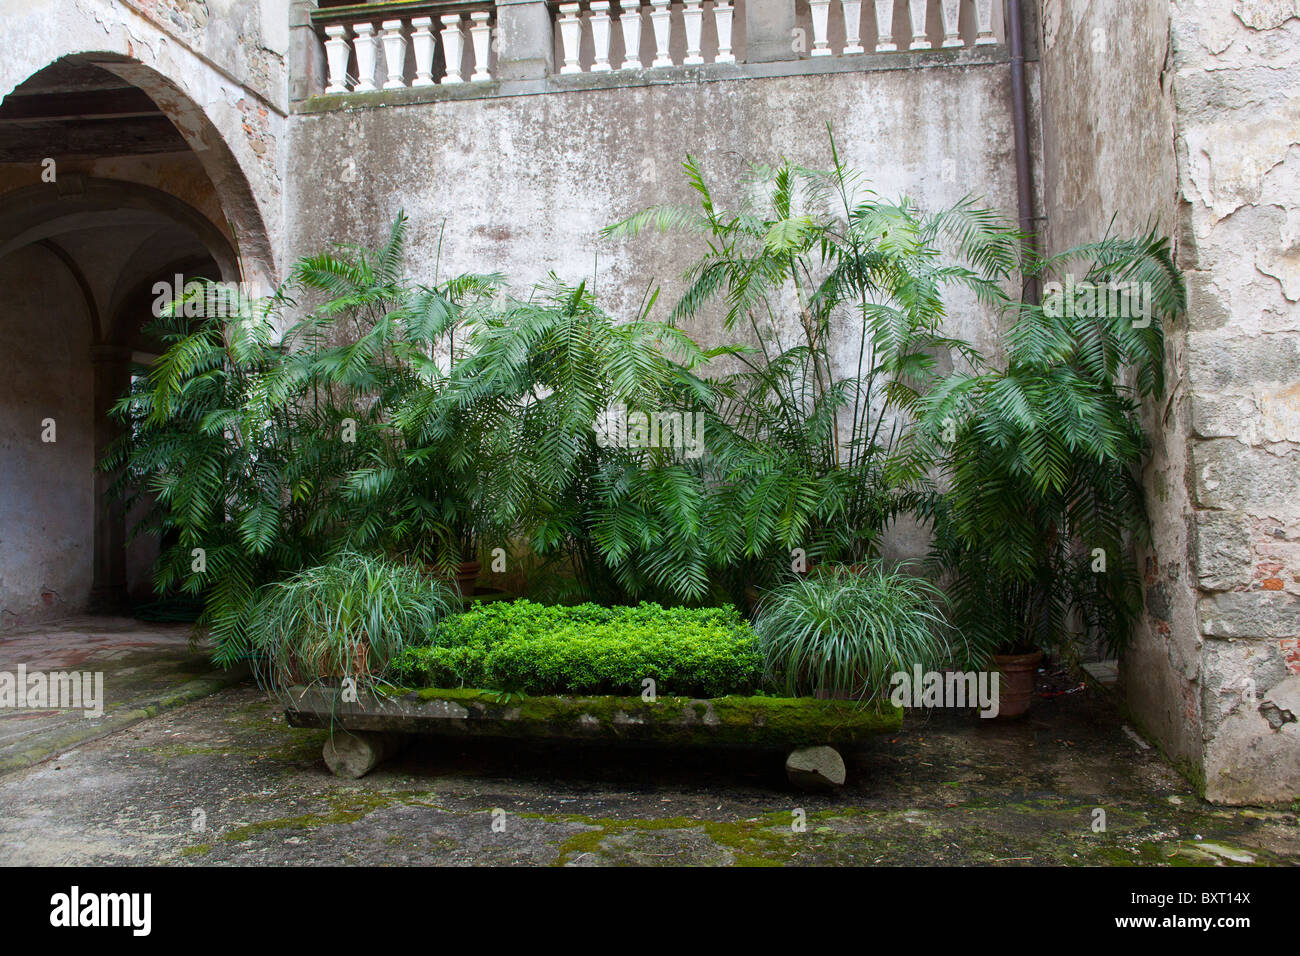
(1020, 122)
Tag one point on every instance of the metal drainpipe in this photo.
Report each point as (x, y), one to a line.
(1020, 120)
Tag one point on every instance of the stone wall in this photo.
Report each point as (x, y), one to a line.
(1108, 131)
(1184, 116)
(1237, 94)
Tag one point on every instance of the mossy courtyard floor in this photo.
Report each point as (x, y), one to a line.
(146, 669)
(225, 780)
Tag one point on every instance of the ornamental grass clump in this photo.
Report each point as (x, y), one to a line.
(843, 632)
(348, 618)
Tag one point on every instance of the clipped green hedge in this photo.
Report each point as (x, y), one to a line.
(543, 649)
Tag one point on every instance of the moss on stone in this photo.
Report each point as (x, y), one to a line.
(345, 806)
(772, 721)
(755, 842)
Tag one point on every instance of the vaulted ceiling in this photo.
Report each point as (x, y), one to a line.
(75, 109)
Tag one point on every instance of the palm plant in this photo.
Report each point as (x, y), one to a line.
(538, 374)
(380, 353)
(841, 632)
(1042, 458)
(805, 448)
(259, 457)
(205, 450)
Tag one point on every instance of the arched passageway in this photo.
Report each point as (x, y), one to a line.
(102, 201)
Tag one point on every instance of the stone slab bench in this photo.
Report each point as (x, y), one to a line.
(374, 726)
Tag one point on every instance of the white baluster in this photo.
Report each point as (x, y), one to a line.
(885, 27)
(951, 10)
(600, 35)
(336, 55)
(453, 48)
(629, 22)
(422, 46)
(820, 11)
(852, 26)
(984, 23)
(918, 8)
(364, 43)
(481, 35)
(660, 15)
(570, 37)
(722, 11)
(693, 20)
(394, 54)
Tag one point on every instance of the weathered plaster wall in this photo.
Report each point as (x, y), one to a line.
(1108, 131)
(1186, 115)
(1237, 93)
(46, 508)
(524, 184)
(65, 349)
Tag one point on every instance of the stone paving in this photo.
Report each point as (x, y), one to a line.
(224, 780)
(146, 669)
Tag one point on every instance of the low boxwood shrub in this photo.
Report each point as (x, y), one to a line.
(540, 649)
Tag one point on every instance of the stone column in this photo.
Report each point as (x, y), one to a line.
(524, 39)
(306, 55)
(111, 366)
(769, 31)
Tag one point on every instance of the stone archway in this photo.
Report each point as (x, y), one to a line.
(218, 76)
(81, 250)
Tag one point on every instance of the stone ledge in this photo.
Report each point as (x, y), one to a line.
(665, 76)
(757, 721)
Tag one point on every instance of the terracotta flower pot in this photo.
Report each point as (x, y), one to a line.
(467, 576)
(1016, 689)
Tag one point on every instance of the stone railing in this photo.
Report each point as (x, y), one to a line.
(597, 36)
(851, 27)
(395, 46)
